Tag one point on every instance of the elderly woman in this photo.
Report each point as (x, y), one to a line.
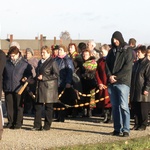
(47, 89)
(30, 90)
(140, 89)
(102, 82)
(16, 71)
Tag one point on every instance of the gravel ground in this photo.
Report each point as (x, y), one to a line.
(71, 132)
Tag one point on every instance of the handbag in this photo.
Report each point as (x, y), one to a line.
(75, 78)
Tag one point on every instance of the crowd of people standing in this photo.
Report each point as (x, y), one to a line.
(67, 76)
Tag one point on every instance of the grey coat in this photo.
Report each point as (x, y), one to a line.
(140, 81)
(47, 88)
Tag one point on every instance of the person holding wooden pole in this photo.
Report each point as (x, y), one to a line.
(16, 73)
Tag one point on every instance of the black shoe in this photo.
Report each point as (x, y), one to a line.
(57, 120)
(46, 129)
(107, 121)
(12, 127)
(37, 129)
(135, 127)
(60, 120)
(125, 134)
(105, 118)
(8, 125)
(142, 128)
(116, 133)
(17, 127)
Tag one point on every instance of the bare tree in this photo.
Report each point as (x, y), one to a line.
(65, 35)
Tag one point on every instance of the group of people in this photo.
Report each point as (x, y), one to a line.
(120, 71)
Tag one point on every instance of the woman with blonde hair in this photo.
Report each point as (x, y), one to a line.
(46, 89)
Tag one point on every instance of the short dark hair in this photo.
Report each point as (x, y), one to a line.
(81, 46)
(148, 47)
(142, 48)
(13, 50)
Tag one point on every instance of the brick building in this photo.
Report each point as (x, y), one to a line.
(36, 43)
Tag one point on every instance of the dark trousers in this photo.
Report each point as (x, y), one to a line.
(140, 111)
(48, 115)
(29, 104)
(14, 107)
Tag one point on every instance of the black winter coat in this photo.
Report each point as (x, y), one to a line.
(13, 74)
(119, 63)
(66, 70)
(140, 81)
(47, 88)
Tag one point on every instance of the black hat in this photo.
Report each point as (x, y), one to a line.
(54, 47)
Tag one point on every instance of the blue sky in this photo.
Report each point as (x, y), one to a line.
(83, 19)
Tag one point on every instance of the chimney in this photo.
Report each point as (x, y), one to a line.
(36, 38)
(54, 40)
(11, 38)
(61, 41)
(70, 40)
(41, 40)
(44, 38)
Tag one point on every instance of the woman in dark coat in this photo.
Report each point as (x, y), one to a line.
(16, 72)
(102, 82)
(77, 62)
(140, 89)
(66, 70)
(47, 89)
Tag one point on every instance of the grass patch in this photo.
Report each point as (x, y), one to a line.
(142, 143)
